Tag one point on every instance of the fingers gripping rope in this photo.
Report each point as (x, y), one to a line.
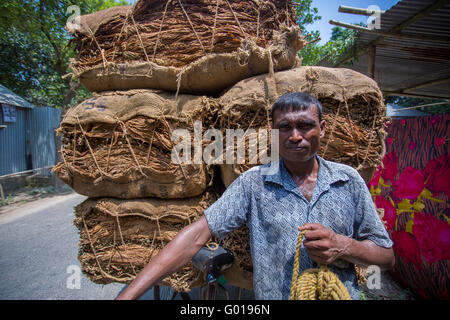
(315, 284)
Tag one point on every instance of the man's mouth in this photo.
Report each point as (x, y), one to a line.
(296, 148)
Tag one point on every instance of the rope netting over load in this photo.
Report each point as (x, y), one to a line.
(119, 144)
(188, 42)
(353, 109)
(119, 237)
(177, 32)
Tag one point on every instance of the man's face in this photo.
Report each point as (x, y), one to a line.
(299, 133)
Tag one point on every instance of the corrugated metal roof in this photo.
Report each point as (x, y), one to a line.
(10, 98)
(404, 63)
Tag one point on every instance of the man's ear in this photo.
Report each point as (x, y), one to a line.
(322, 128)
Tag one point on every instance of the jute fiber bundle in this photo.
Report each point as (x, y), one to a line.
(118, 144)
(241, 272)
(119, 237)
(185, 45)
(352, 107)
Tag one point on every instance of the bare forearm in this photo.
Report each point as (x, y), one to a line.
(365, 253)
(173, 257)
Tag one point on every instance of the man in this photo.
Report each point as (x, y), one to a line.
(328, 199)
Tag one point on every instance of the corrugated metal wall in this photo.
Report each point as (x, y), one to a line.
(42, 124)
(29, 143)
(13, 143)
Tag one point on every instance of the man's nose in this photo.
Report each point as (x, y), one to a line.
(295, 135)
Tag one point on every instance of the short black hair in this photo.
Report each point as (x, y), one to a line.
(296, 101)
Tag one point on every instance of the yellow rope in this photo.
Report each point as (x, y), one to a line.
(315, 284)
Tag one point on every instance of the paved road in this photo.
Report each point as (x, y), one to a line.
(38, 256)
(38, 246)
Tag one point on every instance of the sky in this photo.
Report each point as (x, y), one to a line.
(328, 9)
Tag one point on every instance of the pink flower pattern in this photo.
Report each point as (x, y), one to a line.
(433, 237)
(390, 215)
(423, 238)
(405, 245)
(435, 119)
(439, 142)
(437, 175)
(409, 185)
(390, 166)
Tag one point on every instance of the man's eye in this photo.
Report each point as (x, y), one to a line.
(306, 126)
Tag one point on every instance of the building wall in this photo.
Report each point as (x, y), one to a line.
(42, 124)
(13, 143)
(29, 143)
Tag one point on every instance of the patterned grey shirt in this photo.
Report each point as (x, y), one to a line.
(273, 207)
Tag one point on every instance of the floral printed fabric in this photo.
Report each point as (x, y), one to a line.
(273, 207)
(412, 189)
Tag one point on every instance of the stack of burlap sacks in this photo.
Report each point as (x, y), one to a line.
(159, 66)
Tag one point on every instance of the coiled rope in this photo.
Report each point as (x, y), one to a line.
(315, 283)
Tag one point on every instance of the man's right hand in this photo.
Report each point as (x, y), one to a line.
(176, 254)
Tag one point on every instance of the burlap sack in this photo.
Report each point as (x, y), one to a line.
(88, 24)
(200, 47)
(119, 237)
(118, 144)
(352, 104)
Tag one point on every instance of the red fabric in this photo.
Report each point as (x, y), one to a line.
(437, 175)
(389, 211)
(433, 237)
(413, 189)
(390, 164)
(405, 245)
(409, 185)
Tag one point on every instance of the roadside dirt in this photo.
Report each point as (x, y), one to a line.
(385, 289)
(29, 194)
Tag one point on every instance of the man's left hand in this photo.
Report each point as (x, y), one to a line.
(323, 245)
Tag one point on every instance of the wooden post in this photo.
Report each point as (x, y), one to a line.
(371, 53)
(57, 183)
(362, 11)
(389, 34)
(2, 194)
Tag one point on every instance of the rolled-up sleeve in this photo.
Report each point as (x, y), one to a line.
(230, 211)
(368, 224)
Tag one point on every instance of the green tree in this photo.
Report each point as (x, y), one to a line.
(306, 15)
(35, 49)
(341, 39)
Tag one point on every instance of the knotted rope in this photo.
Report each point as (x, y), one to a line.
(315, 283)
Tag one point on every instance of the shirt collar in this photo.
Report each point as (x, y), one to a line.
(328, 175)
